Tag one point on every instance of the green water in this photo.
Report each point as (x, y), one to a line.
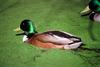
(63, 15)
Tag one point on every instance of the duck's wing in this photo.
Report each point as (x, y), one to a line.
(58, 37)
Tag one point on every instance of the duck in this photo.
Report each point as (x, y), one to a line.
(92, 7)
(49, 39)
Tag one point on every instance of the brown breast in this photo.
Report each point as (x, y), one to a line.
(35, 41)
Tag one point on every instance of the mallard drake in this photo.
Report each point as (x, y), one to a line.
(93, 7)
(49, 39)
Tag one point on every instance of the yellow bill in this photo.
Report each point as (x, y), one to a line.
(85, 11)
(17, 29)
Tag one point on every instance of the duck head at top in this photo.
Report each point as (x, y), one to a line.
(28, 27)
(48, 39)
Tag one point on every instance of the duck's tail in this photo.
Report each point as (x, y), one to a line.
(73, 45)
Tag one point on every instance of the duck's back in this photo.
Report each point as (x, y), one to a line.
(61, 34)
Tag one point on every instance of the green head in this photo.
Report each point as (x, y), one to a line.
(97, 4)
(28, 26)
(94, 5)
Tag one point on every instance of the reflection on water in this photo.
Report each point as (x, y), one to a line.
(90, 56)
(90, 30)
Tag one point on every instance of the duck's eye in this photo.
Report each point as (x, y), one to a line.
(24, 26)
